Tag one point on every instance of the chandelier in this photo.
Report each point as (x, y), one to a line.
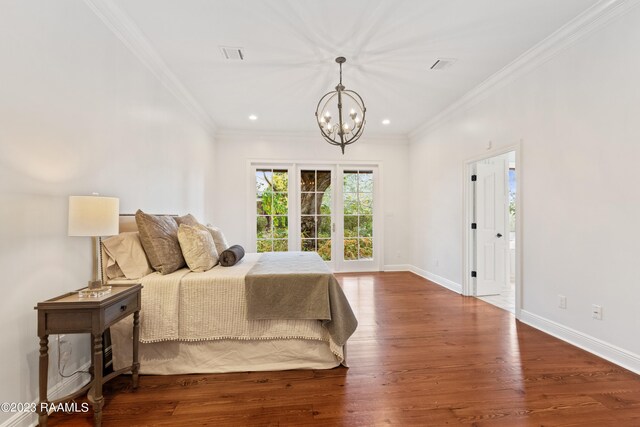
(346, 128)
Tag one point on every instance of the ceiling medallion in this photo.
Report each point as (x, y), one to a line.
(347, 128)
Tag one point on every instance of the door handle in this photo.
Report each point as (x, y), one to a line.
(498, 235)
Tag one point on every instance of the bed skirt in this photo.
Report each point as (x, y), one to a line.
(179, 357)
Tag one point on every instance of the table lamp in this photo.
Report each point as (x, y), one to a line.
(94, 216)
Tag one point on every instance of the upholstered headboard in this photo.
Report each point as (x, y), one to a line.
(128, 222)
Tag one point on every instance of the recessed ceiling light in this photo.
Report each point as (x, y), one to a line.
(253, 117)
(386, 122)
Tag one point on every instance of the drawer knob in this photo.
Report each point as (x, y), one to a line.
(123, 308)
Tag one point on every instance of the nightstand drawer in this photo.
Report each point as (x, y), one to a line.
(121, 309)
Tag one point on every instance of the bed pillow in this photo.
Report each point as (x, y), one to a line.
(111, 267)
(187, 219)
(129, 256)
(231, 256)
(159, 238)
(198, 248)
(218, 237)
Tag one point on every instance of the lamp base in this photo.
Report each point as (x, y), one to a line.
(94, 284)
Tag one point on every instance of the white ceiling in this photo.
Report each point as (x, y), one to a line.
(290, 47)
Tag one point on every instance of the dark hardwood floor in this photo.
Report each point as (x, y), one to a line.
(422, 355)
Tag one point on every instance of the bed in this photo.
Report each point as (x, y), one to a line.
(207, 322)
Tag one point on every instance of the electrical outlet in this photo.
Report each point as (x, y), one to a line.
(596, 312)
(562, 301)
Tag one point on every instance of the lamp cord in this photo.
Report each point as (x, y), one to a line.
(100, 257)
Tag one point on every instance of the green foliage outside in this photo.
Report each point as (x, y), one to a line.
(355, 249)
(272, 208)
(358, 215)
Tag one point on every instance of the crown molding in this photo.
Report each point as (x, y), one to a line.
(276, 136)
(129, 33)
(584, 24)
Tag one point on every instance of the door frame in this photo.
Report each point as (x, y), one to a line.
(467, 218)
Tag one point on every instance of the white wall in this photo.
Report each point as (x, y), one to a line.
(78, 114)
(232, 179)
(577, 117)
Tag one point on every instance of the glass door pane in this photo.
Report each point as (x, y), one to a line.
(357, 202)
(315, 212)
(272, 221)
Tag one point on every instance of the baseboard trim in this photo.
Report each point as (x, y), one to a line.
(397, 267)
(438, 280)
(62, 388)
(607, 351)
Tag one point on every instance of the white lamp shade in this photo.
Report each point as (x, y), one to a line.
(93, 216)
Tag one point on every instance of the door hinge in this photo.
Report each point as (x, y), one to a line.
(474, 225)
(474, 274)
(474, 177)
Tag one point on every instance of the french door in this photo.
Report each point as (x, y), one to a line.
(328, 209)
(357, 220)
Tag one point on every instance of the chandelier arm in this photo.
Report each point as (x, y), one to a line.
(329, 96)
(360, 103)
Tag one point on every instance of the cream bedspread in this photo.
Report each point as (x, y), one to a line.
(185, 306)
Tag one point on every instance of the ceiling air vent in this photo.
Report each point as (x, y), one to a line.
(232, 53)
(443, 63)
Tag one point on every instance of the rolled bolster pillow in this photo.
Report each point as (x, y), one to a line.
(231, 256)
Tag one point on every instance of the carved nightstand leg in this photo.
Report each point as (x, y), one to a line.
(135, 367)
(98, 400)
(43, 374)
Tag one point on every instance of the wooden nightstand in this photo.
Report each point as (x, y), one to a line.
(70, 314)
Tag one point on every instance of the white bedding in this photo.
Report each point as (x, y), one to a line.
(196, 322)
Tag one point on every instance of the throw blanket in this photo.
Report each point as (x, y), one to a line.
(231, 256)
(184, 306)
(298, 285)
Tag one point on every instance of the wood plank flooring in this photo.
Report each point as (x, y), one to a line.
(422, 355)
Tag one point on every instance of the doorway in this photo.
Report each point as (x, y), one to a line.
(492, 237)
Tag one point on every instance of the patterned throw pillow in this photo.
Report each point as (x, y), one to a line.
(219, 239)
(159, 238)
(198, 248)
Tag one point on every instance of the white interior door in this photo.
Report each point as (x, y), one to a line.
(491, 233)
